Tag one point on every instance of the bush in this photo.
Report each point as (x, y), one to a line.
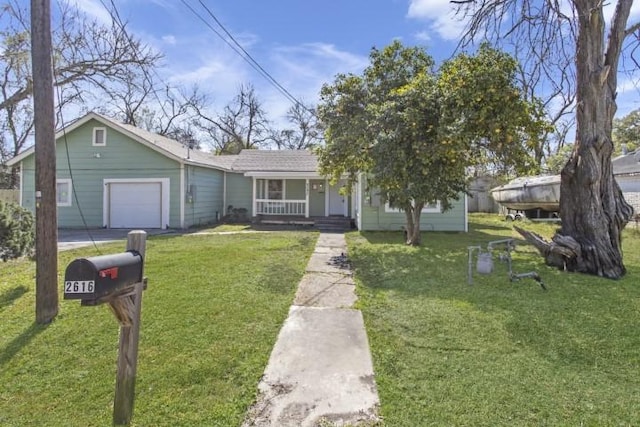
(17, 231)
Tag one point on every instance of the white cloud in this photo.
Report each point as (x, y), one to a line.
(609, 9)
(423, 36)
(439, 15)
(306, 67)
(169, 39)
(302, 70)
(217, 76)
(429, 9)
(628, 85)
(94, 9)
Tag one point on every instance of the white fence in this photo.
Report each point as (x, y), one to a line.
(281, 207)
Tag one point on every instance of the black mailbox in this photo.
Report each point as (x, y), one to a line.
(92, 278)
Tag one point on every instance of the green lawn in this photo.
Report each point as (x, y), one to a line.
(497, 353)
(210, 317)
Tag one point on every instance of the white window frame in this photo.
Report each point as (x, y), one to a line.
(104, 137)
(68, 200)
(429, 208)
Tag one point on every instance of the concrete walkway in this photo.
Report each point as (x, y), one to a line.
(320, 370)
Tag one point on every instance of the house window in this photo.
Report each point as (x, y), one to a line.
(432, 207)
(99, 137)
(63, 192)
(275, 189)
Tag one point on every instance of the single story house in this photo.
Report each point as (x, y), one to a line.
(114, 175)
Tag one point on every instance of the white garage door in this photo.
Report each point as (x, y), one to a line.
(135, 205)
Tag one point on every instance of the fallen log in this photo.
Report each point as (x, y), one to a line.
(559, 252)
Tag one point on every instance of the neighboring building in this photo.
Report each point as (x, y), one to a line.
(114, 175)
(626, 169)
(480, 199)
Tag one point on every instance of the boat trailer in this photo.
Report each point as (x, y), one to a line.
(484, 261)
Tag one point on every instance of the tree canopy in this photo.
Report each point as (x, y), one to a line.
(626, 132)
(414, 132)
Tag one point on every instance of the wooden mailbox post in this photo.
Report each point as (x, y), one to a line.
(119, 281)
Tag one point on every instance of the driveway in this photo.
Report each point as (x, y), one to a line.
(77, 238)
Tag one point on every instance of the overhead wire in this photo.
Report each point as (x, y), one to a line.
(73, 189)
(236, 47)
(115, 17)
(243, 53)
(264, 72)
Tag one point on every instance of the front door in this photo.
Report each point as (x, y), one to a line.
(337, 202)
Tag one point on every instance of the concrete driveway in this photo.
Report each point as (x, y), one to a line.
(78, 238)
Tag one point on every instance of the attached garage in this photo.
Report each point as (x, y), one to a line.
(136, 203)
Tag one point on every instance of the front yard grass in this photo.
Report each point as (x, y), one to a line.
(210, 317)
(497, 353)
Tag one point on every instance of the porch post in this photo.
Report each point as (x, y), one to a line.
(182, 195)
(345, 203)
(255, 203)
(224, 194)
(326, 197)
(306, 204)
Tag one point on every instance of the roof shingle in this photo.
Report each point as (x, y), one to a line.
(275, 161)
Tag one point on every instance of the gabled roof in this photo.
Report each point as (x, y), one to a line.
(161, 144)
(248, 161)
(275, 161)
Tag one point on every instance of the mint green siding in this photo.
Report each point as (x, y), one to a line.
(295, 189)
(28, 183)
(374, 217)
(123, 158)
(203, 195)
(120, 158)
(239, 192)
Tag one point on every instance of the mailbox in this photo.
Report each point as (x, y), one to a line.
(89, 279)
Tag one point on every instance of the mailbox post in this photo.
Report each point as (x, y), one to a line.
(119, 281)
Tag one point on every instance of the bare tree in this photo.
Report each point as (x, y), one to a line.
(305, 131)
(168, 111)
(242, 124)
(592, 208)
(88, 56)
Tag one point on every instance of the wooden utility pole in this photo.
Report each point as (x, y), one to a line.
(45, 154)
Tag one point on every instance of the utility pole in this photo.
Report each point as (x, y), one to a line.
(45, 154)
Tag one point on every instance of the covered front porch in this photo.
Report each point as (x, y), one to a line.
(298, 197)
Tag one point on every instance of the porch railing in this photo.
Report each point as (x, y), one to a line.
(280, 207)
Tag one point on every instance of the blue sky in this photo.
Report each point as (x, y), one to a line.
(301, 43)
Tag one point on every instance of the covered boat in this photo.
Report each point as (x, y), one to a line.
(530, 193)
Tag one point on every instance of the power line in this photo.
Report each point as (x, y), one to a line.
(242, 52)
(248, 55)
(115, 17)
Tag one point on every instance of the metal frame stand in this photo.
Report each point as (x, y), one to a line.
(484, 264)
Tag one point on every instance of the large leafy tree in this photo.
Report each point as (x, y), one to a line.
(592, 207)
(626, 132)
(405, 128)
(488, 113)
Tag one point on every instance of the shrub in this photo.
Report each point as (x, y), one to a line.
(17, 232)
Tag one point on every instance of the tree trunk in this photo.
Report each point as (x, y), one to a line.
(413, 236)
(592, 208)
